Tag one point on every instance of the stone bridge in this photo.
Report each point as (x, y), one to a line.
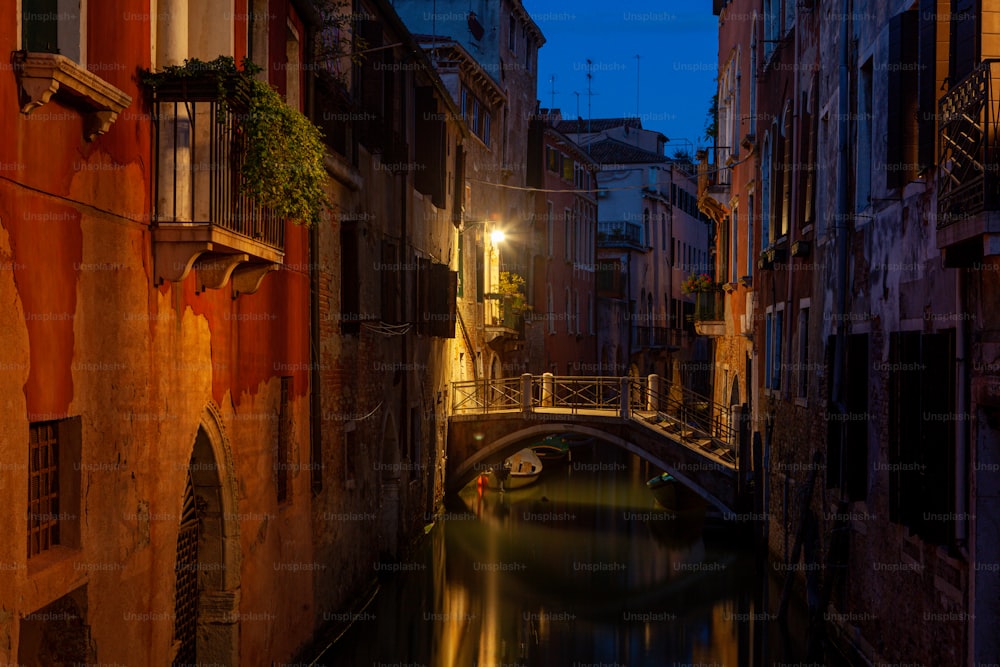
(678, 431)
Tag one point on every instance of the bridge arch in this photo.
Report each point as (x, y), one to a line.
(508, 444)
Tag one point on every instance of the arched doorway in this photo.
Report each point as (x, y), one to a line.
(207, 567)
(391, 501)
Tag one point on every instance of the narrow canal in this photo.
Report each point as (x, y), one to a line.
(582, 568)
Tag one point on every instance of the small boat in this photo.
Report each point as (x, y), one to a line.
(551, 449)
(674, 496)
(520, 469)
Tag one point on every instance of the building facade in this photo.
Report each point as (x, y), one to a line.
(564, 313)
(488, 54)
(155, 350)
(870, 372)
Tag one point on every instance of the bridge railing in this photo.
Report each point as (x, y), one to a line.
(576, 392)
(487, 395)
(698, 412)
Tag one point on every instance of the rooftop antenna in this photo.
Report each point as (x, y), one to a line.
(577, 109)
(637, 80)
(590, 94)
(552, 81)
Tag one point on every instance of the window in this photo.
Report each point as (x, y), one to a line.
(735, 243)
(765, 194)
(549, 228)
(512, 34)
(803, 366)
(922, 418)
(53, 485)
(281, 459)
(54, 26)
(389, 272)
(590, 313)
(569, 312)
(863, 171)
(847, 435)
(487, 120)
(768, 355)
(475, 116)
(550, 309)
(576, 311)
(293, 68)
(725, 232)
(647, 241)
(785, 182)
(779, 321)
(568, 232)
(465, 104)
(567, 168)
(902, 75)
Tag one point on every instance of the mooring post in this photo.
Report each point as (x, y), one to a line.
(526, 392)
(652, 392)
(548, 389)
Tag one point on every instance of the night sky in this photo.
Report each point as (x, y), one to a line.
(678, 46)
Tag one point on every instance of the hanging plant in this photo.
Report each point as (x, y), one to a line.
(282, 168)
(698, 282)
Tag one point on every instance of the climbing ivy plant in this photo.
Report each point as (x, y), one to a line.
(283, 166)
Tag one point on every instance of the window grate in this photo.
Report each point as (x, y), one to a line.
(43, 488)
(186, 572)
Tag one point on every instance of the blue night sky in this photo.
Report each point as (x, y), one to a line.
(678, 45)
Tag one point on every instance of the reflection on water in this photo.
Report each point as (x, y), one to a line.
(580, 568)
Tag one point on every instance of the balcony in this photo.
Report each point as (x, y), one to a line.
(710, 313)
(620, 234)
(968, 221)
(502, 318)
(657, 337)
(203, 222)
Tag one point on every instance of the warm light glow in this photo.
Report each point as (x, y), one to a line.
(497, 236)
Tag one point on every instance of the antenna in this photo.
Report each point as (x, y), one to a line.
(637, 81)
(577, 109)
(590, 76)
(552, 80)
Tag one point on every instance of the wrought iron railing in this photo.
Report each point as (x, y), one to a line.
(577, 392)
(619, 233)
(969, 146)
(679, 412)
(655, 336)
(709, 306)
(496, 395)
(200, 151)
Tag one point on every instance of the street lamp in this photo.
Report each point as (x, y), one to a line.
(497, 236)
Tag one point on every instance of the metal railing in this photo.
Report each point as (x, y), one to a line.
(691, 417)
(201, 146)
(656, 336)
(620, 233)
(710, 306)
(487, 395)
(577, 393)
(969, 142)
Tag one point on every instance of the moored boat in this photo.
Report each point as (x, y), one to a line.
(520, 469)
(674, 496)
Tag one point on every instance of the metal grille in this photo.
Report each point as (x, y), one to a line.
(201, 148)
(43, 488)
(186, 572)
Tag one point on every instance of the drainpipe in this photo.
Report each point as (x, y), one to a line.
(842, 211)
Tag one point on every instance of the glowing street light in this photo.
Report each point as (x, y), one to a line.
(497, 236)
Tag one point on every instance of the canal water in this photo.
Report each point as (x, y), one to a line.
(582, 568)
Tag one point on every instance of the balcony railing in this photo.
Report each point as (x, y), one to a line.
(200, 150)
(620, 233)
(656, 337)
(502, 315)
(970, 146)
(709, 307)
